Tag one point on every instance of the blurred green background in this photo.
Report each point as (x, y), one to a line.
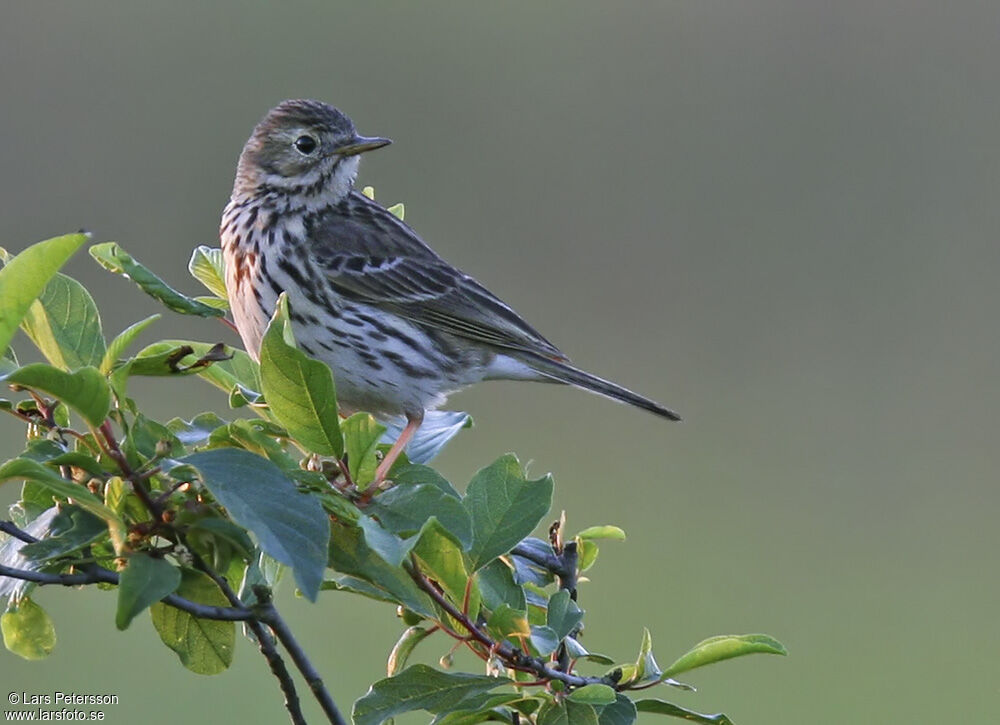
(780, 218)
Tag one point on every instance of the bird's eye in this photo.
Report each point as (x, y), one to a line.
(305, 144)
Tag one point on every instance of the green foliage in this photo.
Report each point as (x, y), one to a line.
(299, 389)
(290, 526)
(420, 688)
(24, 277)
(28, 631)
(208, 267)
(668, 708)
(505, 507)
(724, 647)
(64, 324)
(115, 259)
(170, 511)
(203, 646)
(85, 390)
(143, 582)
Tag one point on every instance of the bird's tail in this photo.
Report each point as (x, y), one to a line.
(561, 372)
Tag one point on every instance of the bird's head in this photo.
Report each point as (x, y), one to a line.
(305, 148)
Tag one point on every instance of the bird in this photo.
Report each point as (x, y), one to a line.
(399, 327)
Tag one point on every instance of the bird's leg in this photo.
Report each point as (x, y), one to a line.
(412, 423)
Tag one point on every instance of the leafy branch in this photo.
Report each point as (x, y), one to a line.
(196, 521)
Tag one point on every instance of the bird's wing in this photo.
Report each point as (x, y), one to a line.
(370, 256)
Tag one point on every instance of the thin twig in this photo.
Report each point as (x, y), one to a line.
(550, 563)
(269, 615)
(513, 658)
(9, 528)
(265, 642)
(115, 453)
(568, 559)
(80, 437)
(93, 574)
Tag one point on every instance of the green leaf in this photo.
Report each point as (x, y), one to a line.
(71, 529)
(588, 554)
(239, 371)
(226, 530)
(204, 646)
(620, 712)
(120, 498)
(86, 390)
(724, 647)
(112, 257)
(49, 479)
(8, 363)
(404, 647)
(577, 650)
(122, 341)
(646, 667)
(566, 712)
(351, 555)
(257, 436)
(415, 475)
(195, 432)
(404, 509)
(483, 708)
(361, 435)
(563, 614)
(208, 266)
(143, 582)
(384, 543)
(166, 358)
(65, 325)
(602, 532)
(56, 484)
(505, 508)
(595, 694)
(667, 708)
(28, 631)
(441, 557)
(44, 450)
(544, 639)
(263, 570)
(299, 390)
(420, 688)
(25, 276)
(291, 526)
(146, 435)
(508, 623)
(496, 582)
(212, 301)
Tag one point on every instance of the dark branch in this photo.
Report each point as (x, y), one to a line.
(114, 451)
(549, 562)
(93, 574)
(265, 642)
(568, 560)
(269, 615)
(9, 528)
(513, 658)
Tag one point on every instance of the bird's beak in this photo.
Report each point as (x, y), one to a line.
(360, 144)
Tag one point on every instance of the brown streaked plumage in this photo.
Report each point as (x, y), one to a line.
(399, 326)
